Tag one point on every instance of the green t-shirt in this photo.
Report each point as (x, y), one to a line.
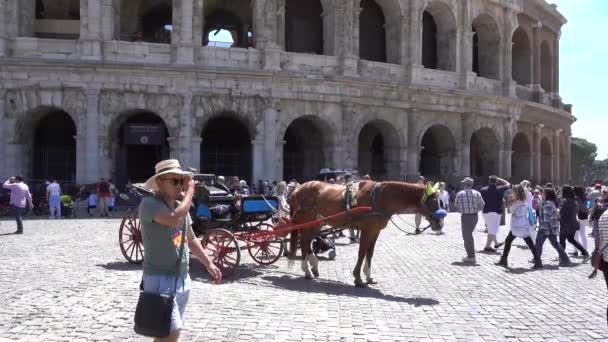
(161, 243)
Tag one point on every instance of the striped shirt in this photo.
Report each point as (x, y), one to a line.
(469, 201)
(603, 224)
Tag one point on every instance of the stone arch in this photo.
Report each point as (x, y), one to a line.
(234, 16)
(546, 69)
(308, 142)
(486, 47)
(372, 32)
(146, 20)
(378, 150)
(484, 153)
(521, 57)
(437, 152)
(521, 160)
(304, 26)
(138, 139)
(439, 33)
(47, 135)
(546, 160)
(226, 146)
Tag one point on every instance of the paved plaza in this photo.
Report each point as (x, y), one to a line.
(67, 280)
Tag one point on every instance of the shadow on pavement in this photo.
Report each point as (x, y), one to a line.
(465, 264)
(300, 284)
(244, 271)
(120, 266)
(523, 270)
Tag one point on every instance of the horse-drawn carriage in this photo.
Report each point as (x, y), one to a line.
(225, 232)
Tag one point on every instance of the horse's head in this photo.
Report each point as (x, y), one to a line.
(429, 207)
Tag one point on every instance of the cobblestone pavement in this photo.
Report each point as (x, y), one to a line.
(67, 280)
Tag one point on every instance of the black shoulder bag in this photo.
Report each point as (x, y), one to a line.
(153, 312)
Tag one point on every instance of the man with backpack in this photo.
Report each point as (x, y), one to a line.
(103, 196)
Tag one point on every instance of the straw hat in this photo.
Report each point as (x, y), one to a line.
(171, 166)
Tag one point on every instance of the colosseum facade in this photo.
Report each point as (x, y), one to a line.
(395, 88)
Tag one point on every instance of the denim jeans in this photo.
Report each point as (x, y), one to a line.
(540, 241)
(18, 212)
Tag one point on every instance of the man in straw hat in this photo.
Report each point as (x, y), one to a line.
(162, 219)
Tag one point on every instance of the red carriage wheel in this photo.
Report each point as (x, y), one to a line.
(265, 250)
(224, 248)
(130, 239)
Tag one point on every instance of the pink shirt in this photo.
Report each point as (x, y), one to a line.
(20, 193)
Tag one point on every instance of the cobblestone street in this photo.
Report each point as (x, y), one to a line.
(67, 280)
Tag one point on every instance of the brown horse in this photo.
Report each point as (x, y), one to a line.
(314, 200)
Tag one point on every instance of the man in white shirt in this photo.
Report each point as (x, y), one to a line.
(53, 195)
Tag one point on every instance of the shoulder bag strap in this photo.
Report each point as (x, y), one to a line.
(181, 254)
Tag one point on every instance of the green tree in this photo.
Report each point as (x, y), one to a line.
(583, 154)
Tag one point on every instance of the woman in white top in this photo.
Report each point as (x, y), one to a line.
(520, 227)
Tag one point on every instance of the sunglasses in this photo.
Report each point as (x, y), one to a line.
(174, 181)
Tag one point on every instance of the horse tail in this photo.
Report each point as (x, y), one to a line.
(294, 236)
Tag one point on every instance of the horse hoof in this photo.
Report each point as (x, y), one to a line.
(371, 281)
(308, 277)
(315, 273)
(359, 283)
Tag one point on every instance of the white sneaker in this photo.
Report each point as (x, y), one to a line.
(469, 260)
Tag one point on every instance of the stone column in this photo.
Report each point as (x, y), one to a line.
(195, 152)
(174, 151)
(464, 47)
(536, 154)
(8, 26)
(257, 153)
(467, 128)
(568, 175)
(345, 16)
(280, 26)
(265, 35)
(4, 132)
(329, 27)
(557, 162)
(185, 133)
(110, 20)
(413, 150)
(413, 40)
(557, 100)
(509, 128)
(91, 29)
(270, 143)
(536, 62)
(507, 51)
(24, 14)
(81, 160)
(92, 142)
(186, 16)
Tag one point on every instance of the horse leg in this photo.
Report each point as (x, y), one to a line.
(306, 253)
(363, 246)
(367, 267)
(312, 258)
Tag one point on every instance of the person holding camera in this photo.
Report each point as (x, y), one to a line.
(20, 199)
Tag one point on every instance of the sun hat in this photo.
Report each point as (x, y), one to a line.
(171, 166)
(468, 181)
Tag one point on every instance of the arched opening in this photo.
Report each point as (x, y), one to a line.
(545, 161)
(486, 47)
(141, 143)
(484, 153)
(439, 37)
(372, 32)
(57, 19)
(304, 26)
(233, 16)
(521, 57)
(226, 147)
(521, 160)
(304, 149)
(546, 69)
(438, 153)
(146, 21)
(377, 148)
(54, 147)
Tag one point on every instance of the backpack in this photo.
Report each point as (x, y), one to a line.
(535, 203)
(583, 211)
(531, 216)
(104, 187)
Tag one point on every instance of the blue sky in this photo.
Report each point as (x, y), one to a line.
(583, 69)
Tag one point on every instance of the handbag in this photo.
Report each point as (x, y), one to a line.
(597, 261)
(153, 311)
